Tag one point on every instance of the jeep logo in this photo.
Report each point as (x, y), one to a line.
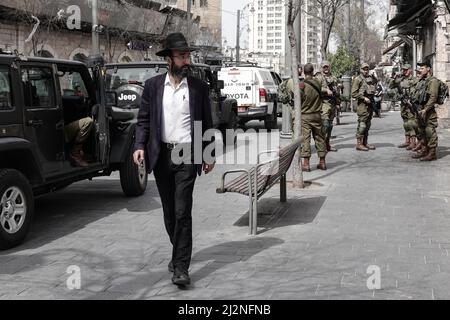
(127, 97)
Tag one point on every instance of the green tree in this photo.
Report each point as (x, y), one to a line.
(342, 62)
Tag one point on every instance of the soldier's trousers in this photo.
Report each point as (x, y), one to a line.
(431, 123)
(78, 130)
(364, 120)
(312, 125)
(328, 115)
(410, 122)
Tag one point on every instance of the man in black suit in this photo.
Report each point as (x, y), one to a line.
(172, 105)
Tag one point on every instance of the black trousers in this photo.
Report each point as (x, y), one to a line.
(175, 186)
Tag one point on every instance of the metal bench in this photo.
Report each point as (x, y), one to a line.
(256, 181)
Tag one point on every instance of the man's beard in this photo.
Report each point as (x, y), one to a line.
(179, 72)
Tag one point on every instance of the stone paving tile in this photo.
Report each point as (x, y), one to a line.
(365, 210)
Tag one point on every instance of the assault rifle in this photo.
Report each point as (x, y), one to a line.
(414, 107)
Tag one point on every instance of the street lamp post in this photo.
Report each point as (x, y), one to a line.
(95, 41)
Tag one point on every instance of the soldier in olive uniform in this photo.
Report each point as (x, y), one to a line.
(405, 86)
(330, 101)
(363, 88)
(428, 94)
(310, 90)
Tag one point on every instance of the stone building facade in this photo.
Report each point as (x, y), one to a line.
(57, 40)
(420, 30)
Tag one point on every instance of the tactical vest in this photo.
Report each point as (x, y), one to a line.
(370, 85)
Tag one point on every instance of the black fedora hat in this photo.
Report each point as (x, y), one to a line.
(174, 41)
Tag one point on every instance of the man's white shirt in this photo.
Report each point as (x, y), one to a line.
(176, 116)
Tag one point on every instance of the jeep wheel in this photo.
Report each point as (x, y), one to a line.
(133, 178)
(16, 208)
(271, 120)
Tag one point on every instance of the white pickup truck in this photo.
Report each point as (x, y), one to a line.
(255, 91)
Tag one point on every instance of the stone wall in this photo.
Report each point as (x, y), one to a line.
(442, 63)
(65, 44)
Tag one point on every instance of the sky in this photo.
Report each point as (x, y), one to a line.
(230, 7)
(229, 13)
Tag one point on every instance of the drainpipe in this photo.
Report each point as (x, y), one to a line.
(414, 47)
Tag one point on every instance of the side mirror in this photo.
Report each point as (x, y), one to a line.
(111, 98)
(220, 84)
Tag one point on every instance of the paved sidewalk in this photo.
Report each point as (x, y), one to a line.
(379, 208)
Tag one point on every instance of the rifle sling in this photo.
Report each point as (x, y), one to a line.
(314, 87)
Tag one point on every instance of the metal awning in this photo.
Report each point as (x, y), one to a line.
(393, 46)
(407, 14)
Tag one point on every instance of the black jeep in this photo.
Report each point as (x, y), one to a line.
(38, 98)
(128, 79)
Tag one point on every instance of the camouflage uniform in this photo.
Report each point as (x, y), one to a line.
(405, 87)
(311, 116)
(329, 104)
(363, 87)
(427, 92)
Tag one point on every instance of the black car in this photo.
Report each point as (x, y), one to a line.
(37, 95)
(128, 79)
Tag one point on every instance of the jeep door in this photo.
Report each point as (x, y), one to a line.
(43, 120)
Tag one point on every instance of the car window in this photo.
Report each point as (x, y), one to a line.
(38, 87)
(6, 102)
(71, 84)
(119, 76)
(266, 77)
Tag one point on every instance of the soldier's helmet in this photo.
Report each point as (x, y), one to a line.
(365, 65)
(326, 64)
(406, 66)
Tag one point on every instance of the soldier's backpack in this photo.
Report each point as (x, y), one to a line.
(423, 96)
(443, 92)
(284, 96)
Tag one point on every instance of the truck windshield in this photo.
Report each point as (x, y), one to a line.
(119, 76)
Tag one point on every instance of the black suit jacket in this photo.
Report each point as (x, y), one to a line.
(148, 127)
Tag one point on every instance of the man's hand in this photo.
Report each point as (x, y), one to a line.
(329, 92)
(207, 168)
(422, 113)
(366, 100)
(138, 157)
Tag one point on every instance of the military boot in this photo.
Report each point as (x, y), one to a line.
(367, 145)
(407, 142)
(419, 146)
(412, 143)
(76, 157)
(431, 156)
(359, 145)
(322, 164)
(421, 153)
(305, 166)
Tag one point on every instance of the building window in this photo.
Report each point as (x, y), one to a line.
(44, 54)
(203, 3)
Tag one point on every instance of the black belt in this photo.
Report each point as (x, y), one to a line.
(169, 146)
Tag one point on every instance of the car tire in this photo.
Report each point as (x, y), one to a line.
(16, 208)
(133, 178)
(233, 124)
(271, 120)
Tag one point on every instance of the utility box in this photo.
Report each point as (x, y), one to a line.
(346, 95)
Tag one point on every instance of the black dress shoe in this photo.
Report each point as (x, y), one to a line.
(181, 278)
(170, 266)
